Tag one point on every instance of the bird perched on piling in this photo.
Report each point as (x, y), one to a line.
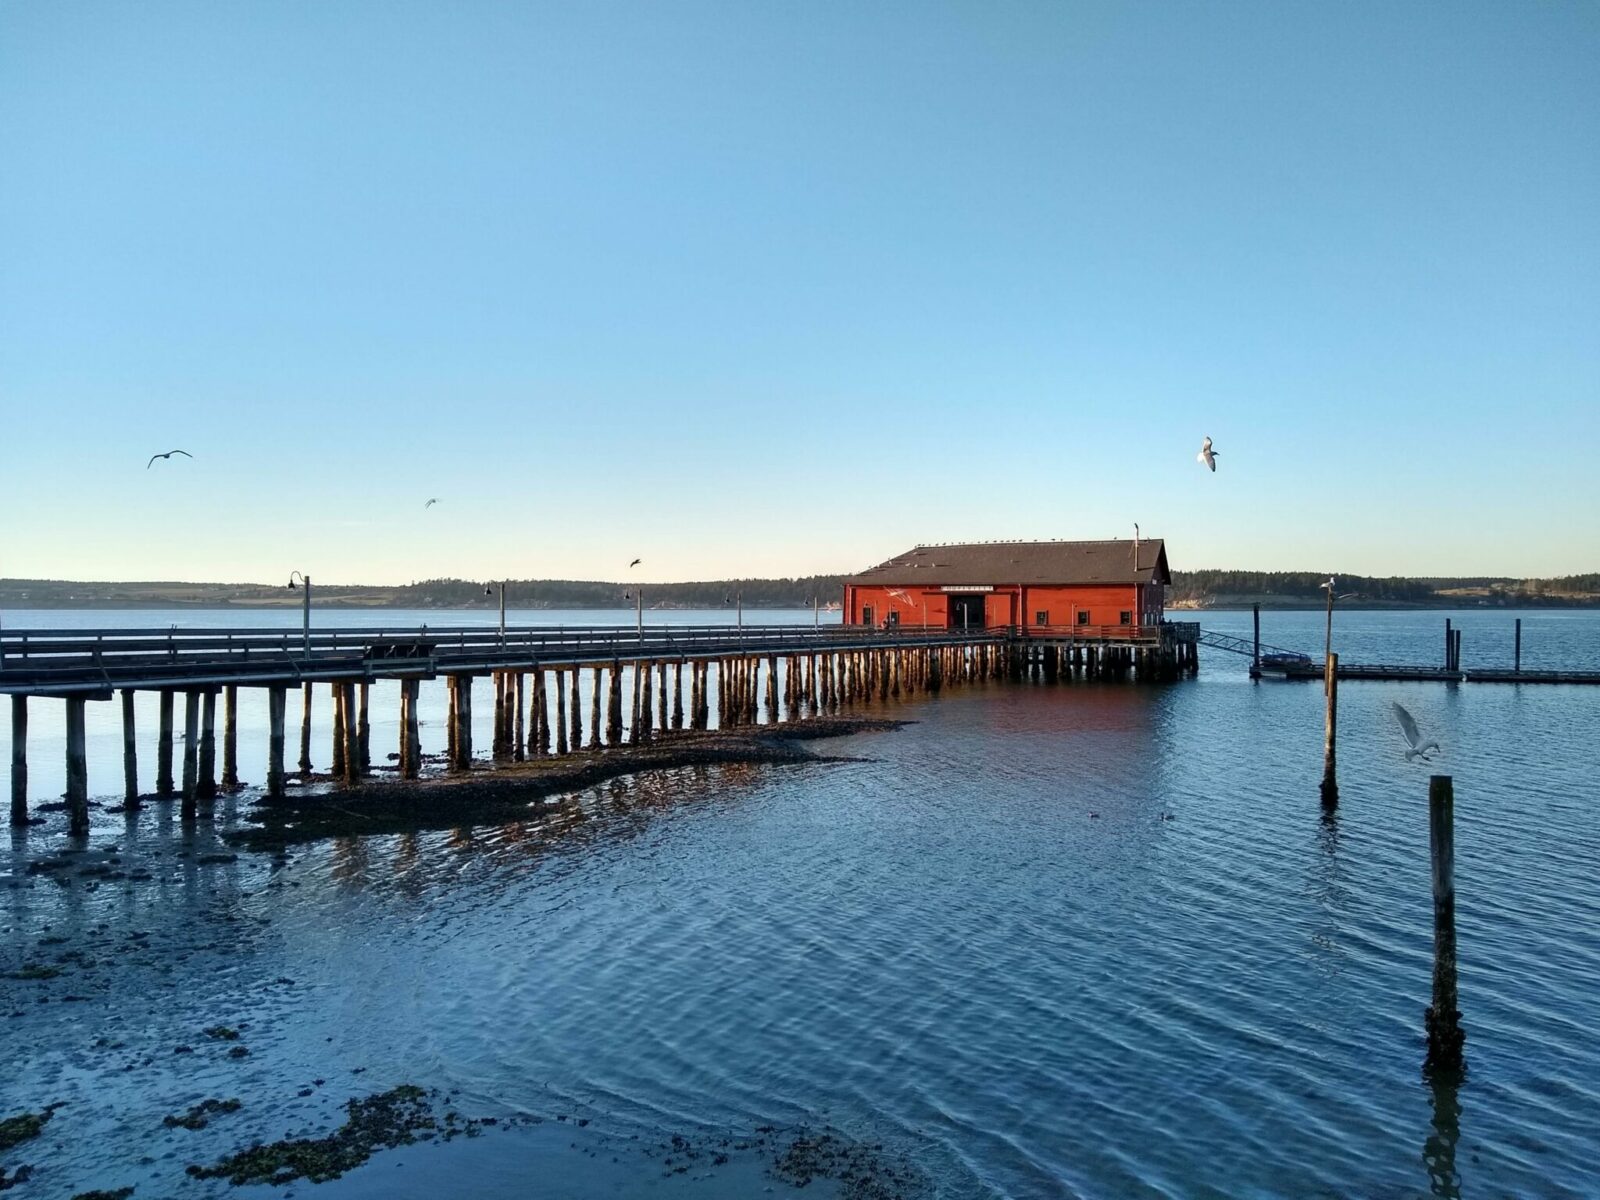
(1408, 726)
(168, 454)
(1207, 455)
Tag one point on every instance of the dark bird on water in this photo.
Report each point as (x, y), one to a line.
(168, 454)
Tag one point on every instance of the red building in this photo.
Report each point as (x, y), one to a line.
(1059, 587)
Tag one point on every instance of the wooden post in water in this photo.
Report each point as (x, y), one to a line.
(464, 722)
(677, 694)
(451, 724)
(340, 718)
(1330, 781)
(206, 785)
(352, 734)
(1516, 663)
(519, 729)
(305, 730)
(561, 714)
(1455, 655)
(363, 730)
(1449, 643)
(277, 703)
(614, 705)
(191, 752)
(1443, 1017)
(130, 755)
(413, 731)
(164, 748)
(77, 769)
(230, 737)
(1255, 618)
(19, 760)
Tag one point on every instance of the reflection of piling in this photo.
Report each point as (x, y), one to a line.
(1443, 1018)
(1330, 733)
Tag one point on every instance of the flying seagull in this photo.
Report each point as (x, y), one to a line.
(1419, 748)
(434, 500)
(635, 562)
(168, 454)
(1207, 455)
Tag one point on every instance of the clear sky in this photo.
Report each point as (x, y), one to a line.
(760, 288)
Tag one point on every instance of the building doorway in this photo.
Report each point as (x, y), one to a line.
(967, 610)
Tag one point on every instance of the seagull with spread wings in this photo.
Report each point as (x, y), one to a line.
(1417, 748)
(168, 454)
(1207, 455)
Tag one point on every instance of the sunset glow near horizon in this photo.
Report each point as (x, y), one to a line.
(756, 291)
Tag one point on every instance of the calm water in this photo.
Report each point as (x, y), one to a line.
(937, 946)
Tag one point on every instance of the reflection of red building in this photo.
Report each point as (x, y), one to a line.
(1055, 586)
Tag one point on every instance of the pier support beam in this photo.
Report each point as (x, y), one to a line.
(561, 713)
(230, 738)
(594, 709)
(351, 729)
(305, 730)
(206, 783)
(19, 760)
(363, 730)
(1330, 781)
(614, 705)
(77, 770)
(130, 755)
(164, 748)
(340, 717)
(411, 765)
(191, 752)
(277, 705)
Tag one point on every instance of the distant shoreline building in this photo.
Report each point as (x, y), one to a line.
(1035, 585)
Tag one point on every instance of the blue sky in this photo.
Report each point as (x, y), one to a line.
(762, 288)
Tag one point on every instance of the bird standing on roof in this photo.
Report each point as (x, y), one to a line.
(1207, 455)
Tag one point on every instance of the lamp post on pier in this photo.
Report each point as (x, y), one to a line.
(489, 591)
(305, 609)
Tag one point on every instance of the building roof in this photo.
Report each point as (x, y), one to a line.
(1032, 563)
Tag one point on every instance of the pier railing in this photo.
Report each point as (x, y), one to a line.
(76, 660)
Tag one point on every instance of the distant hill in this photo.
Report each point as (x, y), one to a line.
(1190, 589)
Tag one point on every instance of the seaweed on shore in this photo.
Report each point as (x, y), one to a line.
(25, 1126)
(398, 1117)
(200, 1115)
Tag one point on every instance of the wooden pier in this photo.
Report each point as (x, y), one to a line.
(735, 676)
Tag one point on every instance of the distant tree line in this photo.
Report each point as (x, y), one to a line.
(1201, 587)
(581, 593)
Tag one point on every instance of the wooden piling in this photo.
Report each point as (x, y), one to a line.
(1449, 644)
(614, 705)
(1516, 663)
(277, 704)
(1255, 620)
(305, 731)
(352, 733)
(77, 769)
(191, 752)
(677, 694)
(19, 760)
(164, 747)
(641, 702)
(230, 737)
(206, 784)
(413, 730)
(594, 709)
(1442, 1019)
(1330, 782)
(130, 755)
(561, 714)
(519, 730)
(363, 730)
(340, 717)
(464, 722)
(452, 722)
